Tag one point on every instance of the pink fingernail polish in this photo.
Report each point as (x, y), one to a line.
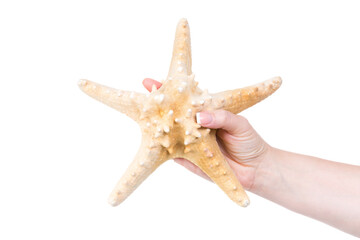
(203, 118)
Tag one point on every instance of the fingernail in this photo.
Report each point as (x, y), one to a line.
(153, 88)
(203, 118)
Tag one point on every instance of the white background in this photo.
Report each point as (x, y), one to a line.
(61, 152)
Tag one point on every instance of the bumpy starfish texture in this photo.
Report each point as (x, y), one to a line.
(167, 120)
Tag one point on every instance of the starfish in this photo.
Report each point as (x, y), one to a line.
(167, 118)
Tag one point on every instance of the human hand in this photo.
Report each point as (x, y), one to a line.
(242, 147)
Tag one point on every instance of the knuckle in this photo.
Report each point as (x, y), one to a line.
(243, 120)
(222, 116)
(243, 124)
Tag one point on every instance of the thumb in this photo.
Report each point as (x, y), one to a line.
(221, 119)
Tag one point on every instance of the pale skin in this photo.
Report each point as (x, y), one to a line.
(324, 190)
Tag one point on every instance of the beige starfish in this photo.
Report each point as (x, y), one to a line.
(167, 120)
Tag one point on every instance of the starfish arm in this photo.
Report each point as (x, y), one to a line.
(129, 103)
(181, 57)
(213, 163)
(240, 99)
(146, 161)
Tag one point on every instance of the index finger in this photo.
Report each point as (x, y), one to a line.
(148, 83)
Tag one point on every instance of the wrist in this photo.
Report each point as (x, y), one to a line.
(266, 172)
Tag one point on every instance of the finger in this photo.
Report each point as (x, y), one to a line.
(192, 167)
(233, 124)
(148, 83)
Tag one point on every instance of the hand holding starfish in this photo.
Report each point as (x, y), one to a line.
(180, 120)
